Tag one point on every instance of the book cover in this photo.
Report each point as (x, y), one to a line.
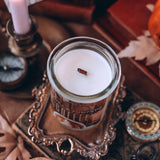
(125, 21)
(64, 10)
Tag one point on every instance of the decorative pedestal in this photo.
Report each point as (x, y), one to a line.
(40, 128)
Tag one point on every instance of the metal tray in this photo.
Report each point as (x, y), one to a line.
(40, 127)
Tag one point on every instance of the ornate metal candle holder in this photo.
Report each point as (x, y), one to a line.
(24, 45)
(46, 130)
(59, 142)
(25, 61)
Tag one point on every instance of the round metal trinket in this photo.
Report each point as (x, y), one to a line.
(13, 70)
(143, 121)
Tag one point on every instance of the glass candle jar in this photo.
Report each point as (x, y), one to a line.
(83, 73)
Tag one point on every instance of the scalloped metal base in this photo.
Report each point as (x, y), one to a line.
(38, 125)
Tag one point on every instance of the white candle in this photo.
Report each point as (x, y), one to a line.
(99, 74)
(20, 16)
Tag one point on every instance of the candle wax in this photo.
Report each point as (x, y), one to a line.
(20, 16)
(99, 74)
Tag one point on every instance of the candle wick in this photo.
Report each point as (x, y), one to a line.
(82, 71)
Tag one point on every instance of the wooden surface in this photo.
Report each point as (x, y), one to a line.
(136, 80)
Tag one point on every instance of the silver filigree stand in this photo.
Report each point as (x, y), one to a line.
(92, 143)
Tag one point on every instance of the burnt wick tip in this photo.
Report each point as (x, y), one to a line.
(82, 71)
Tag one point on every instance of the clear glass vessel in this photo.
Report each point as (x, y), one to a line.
(76, 111)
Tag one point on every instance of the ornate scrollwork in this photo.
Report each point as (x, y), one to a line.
(94, 151)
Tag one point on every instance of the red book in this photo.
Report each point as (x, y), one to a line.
(124, 21)
(82, 3)
(64, 10)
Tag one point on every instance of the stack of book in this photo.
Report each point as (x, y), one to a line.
(82, 11)
(72, 10)
(125, 21)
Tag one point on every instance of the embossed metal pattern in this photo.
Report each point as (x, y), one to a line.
(93, 150)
